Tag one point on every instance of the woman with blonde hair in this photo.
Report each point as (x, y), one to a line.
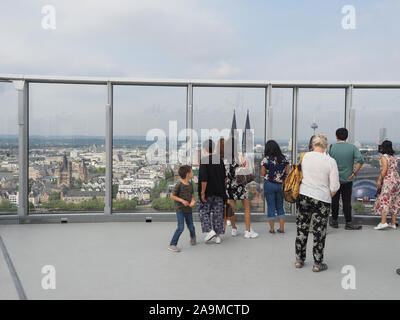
(319, 184)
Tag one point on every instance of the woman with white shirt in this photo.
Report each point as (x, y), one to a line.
(320, 183)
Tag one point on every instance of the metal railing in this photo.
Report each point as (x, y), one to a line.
(22, 82)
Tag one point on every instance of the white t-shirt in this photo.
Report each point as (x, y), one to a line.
(320, 176)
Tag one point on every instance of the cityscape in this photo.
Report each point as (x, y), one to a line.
(67, 174)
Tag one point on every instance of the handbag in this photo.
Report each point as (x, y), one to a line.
(291, 186)
(243, 175)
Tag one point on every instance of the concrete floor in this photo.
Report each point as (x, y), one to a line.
(131, 261)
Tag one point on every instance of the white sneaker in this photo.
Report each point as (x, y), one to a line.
(210, 235)
(393, 226)
(228, 222)
(234, 232)
(381, 226)
(250, 234)
(218, 240)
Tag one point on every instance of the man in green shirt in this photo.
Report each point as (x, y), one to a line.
(346, 155)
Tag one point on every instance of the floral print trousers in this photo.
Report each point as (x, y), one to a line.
(316, 212)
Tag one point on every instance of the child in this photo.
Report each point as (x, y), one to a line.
(183, 195)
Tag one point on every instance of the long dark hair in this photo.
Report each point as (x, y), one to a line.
(273, 150)
(386, 148)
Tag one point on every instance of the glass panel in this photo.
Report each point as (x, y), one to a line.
(214, 108)
(319, 111)
(282, 124)
(66, 148)
(143, 178)
(8, 148)
(376, 117)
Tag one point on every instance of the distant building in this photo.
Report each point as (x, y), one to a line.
(382, 135)
(13, 198)
(79, 196)
(83, 171)
(248, 137)
(33, 198)
(64, 173)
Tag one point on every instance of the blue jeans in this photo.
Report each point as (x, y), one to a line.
(273, 195)
(188, 217)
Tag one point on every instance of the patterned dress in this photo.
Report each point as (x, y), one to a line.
(234, 191)
(388, 201)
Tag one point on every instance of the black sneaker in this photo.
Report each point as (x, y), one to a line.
(334, 223)
(351, 226)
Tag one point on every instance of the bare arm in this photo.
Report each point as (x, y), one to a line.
(263, 171)
(358, 167)
(174, 197)
(203, 191)
(384, 170)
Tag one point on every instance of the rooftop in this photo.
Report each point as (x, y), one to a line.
(130, 260)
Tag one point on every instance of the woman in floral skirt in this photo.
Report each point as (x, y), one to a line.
(388, 199)
(234, 190)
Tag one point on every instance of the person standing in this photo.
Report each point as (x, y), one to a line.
(183, 196)
(234, 190)
(211, 190)
(346, 155)
(388, 199)
(274, 168)
(319, 184)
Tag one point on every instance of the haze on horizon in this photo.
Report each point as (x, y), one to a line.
(200, 40)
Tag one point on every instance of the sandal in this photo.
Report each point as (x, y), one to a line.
(280, 231)
(299, 264)
(320, 267)
(271, 231)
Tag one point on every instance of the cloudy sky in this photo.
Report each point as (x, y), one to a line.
(255, 40)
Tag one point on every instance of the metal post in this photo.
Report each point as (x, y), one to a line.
(294, 132)
(23, 145)
(109, 150)
(349, 114)
(189, 123)
(267, 126)
(268, 114)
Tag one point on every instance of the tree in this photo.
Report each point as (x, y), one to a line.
(164, 204)
(359, 207)
(55, 196)
(123, 204)
(114, 191)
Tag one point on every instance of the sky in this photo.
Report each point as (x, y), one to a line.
(177, 39)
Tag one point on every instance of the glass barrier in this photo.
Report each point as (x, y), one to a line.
(281, 121)
(375, 116)
(66, 148)
(8, 149)
(146, 118)
(220, 110)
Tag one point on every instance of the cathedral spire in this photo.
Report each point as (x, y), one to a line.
(234, 126)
